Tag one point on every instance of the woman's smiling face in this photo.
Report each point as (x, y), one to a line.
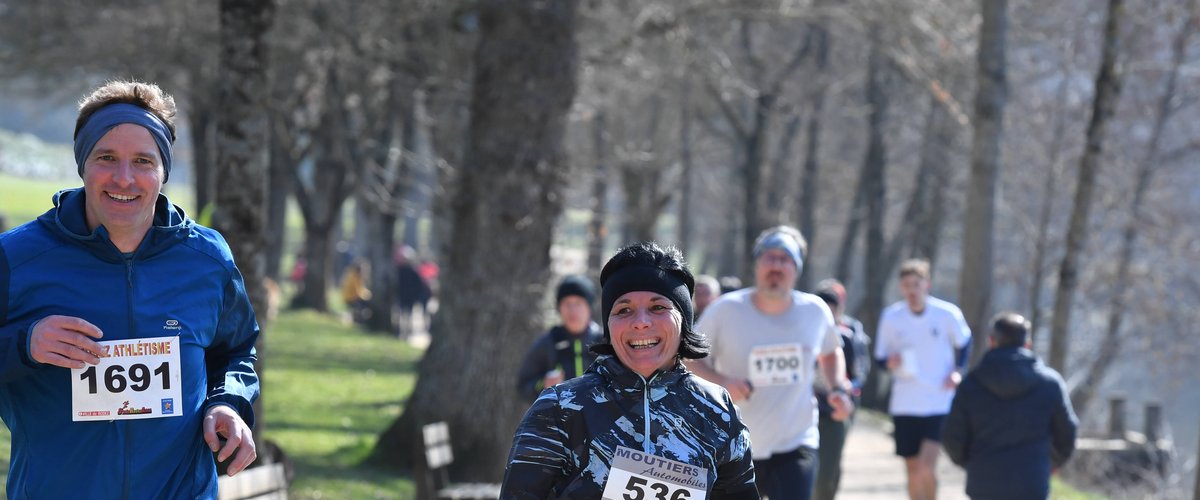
(645, 331)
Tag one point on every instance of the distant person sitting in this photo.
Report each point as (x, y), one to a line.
(1011, 423)
(562, 353)
(707, 290)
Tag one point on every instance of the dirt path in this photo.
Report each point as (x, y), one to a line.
(871, 470)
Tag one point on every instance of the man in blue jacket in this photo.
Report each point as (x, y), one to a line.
(1011, 423)
(126, 335)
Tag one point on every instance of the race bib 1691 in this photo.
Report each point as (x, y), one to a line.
(136, 378)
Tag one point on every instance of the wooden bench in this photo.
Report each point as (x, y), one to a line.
(438, 456)
(268, 482)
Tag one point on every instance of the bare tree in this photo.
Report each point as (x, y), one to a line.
(1108, 88)
(975, 286)
(1083, 393)
(1041, 242)
(687, 172)
(874, 191)
(498, 256)
(752, 133)
(807, 205)
(598, 226)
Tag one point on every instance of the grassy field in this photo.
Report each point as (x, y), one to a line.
(329, 390)
(23, 199)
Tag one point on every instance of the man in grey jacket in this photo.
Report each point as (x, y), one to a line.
(1011, 423)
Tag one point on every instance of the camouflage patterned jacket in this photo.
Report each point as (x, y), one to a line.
(565, 444)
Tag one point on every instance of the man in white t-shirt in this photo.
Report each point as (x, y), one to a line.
(763, 344)
(923, 341)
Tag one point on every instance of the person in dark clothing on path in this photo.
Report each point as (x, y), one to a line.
(411, 289)
(562, 353)
(1011, 423)
(855, 348)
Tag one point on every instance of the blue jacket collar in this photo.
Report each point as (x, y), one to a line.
(68, 219)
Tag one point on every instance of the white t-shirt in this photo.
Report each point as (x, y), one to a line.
(927, 343)
(777, 354)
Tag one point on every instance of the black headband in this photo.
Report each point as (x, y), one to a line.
(647, 279)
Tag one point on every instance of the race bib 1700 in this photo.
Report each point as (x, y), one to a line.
(641, 476)
(778, 364)
(135, 378)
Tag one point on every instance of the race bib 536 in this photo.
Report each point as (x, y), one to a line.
(635, 475)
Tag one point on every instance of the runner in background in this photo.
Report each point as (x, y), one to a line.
(923, 342)
(855, 345)
(766, 341)
(563, 352)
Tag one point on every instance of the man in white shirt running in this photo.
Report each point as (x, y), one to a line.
(764, 341)
(923, 342)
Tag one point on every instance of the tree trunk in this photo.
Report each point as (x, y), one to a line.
(645, 200)
(686, 174)
(381, 198)
(241, 132)
(926, 227)
(1108, 88)
(1083, 394)
(975, 285)
(281, 179)
(854, 218)
(201, 120)
(331, 180)
(752, 167)
(641, 181)
(1038, 271)
(875, 194)
(318, 246)
(729, 263)
(812, 160)
(598, 227)
(1041, 246)
(510, 194)
(779, 180)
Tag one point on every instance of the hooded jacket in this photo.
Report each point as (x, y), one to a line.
(564, 446)
(181, 281)
(1010, 423)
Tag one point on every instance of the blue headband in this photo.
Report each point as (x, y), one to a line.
(782, 241)
(107, 117)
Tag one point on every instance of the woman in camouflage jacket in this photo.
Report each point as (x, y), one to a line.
(637, 425)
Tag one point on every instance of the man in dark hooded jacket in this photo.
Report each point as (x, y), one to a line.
(1011, 423)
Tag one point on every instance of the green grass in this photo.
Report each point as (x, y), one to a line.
(1060, 490)
(329, 390)
(23, 199)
